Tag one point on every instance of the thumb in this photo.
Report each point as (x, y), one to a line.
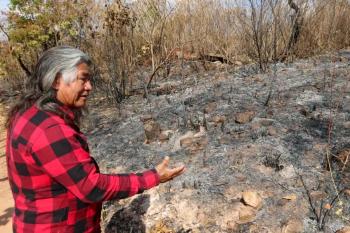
(165, 162)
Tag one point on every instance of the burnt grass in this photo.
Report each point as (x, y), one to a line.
(301, 111)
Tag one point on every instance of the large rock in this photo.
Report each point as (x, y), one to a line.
(271, 131)
(244, 117)
(191, 141)
(165, 135)
(252, 199)
(344, 230)
(229, 219)
(152, 130)
(218, 119)
(346, 125)
(194, 144)
(293, 226)
(347, 192)
(246, 214)
(346, 104)
(210, 107)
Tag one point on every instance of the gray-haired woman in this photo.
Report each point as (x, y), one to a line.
(56, 184)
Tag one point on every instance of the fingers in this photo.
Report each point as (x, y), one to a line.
(176, 171)
(166, 161)
(166, 173)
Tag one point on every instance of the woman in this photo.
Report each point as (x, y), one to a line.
(56, 184)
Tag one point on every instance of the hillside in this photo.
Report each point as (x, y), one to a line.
(255, 145)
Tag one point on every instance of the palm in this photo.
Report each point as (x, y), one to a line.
(165, 173)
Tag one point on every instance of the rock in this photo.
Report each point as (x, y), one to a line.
(201, 132)
(237, 63)
(232, 193)
(252, 199)
(343, 157)
(293, 226)
(282, 202)
(187, 211)
(203, 218)
(260, 228)
(271, 131)
(152, 130)
(231, 226)
(346, 125)
(255, 126)
(229, 219)
(345, 229)
(145, 118)
(327, 206)
(264, 121)
(244, 117)
(288, 172)
(177, 144)
(318, 195)
(161, 227)
(246, 214)
(225, 139)
(241, 177)
(347, 192)
(197, 120)
(186, 142)
(346, 104)
(193, 142)
(218, 119)
(290, 197)
(163, 137)
(210, 107)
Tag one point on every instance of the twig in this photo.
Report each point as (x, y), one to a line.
(4, 31)
(323, 221)
(309, 199)
(158, 67)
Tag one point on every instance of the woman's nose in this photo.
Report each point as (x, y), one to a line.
(88, 86)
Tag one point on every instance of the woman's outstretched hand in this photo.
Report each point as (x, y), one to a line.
(165, 173)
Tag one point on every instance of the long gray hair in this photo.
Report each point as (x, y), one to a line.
(62, 60)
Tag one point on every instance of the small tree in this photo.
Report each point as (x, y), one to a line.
(34, 26)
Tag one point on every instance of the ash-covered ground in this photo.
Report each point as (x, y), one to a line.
(264, 152)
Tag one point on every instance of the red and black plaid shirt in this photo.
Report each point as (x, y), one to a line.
(55, 182)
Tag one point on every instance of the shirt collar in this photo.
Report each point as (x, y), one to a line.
(65, 109)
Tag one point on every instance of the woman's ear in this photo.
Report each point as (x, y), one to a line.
(57, 82)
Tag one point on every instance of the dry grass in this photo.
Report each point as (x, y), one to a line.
(122, 38)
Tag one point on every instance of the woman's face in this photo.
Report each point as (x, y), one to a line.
(75, 93)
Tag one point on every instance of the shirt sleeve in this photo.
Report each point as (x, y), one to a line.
(63, 155)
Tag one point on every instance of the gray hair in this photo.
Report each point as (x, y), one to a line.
(61, 60)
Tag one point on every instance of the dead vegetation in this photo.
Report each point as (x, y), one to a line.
(134, 44)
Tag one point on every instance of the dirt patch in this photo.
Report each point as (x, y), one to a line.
(6, 200)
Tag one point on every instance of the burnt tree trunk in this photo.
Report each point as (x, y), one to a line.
(23, 66)
(297, 20)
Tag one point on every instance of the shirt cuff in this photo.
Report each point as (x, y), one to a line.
(150, 179)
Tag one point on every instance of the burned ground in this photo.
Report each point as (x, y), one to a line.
(265, 133)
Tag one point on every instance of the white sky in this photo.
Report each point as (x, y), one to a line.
(3, 7)
(4, 4)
